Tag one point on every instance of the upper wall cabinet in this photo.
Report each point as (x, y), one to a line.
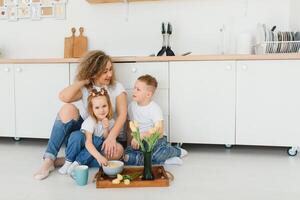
(115, 1)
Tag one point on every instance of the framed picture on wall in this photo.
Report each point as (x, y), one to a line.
(60, 10)
(46, 2)
(35, 11)
(10, 2)
(21, 2)
(47, 11)
(12, 13)
(59, 1)
(3, 12)
(24, 11)
(36, 1)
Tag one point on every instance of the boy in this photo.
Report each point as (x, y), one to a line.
(147, 113)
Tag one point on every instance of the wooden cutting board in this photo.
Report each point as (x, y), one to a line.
(69, 45)
(80, 44)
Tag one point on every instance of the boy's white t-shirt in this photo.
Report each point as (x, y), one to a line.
(113, 92)
(146, 116)
(92, 126)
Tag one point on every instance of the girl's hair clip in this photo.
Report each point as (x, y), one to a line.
(101, 92)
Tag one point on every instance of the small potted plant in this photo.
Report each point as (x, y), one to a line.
(146, 144)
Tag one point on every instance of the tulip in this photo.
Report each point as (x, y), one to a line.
(132, 126)
(152, 130)
(136, 123)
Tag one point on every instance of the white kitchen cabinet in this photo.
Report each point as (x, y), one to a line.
(268, 103)
(127, 73)
(202, 102)
(7, 106)
(36, 96)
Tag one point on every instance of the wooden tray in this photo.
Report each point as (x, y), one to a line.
(161, 178)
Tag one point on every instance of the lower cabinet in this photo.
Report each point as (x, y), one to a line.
(268, 103)
(213, 102)
(36, 92)
(202, 102)
(7, 105)
(30, 98)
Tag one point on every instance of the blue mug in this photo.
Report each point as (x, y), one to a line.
(81, 174)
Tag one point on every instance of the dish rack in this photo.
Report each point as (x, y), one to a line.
(277, 47)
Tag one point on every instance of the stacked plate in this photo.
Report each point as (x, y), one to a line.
(268, 41)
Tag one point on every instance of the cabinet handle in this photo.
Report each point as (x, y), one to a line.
(6, 69)
(244, 67)
(134, 69)
(19, 69)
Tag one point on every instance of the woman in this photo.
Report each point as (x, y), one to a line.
(95, 71)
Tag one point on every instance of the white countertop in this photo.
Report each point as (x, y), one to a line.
(292, 56)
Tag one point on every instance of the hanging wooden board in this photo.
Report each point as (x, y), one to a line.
(80, 44)
(69, 45)
(160, 178)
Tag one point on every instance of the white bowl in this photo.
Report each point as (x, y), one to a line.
(113, 168)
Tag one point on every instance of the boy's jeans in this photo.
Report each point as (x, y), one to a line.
(76, 150)
(161, 152)
(60, 134)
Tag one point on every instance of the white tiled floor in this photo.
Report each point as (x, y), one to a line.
(209, 172)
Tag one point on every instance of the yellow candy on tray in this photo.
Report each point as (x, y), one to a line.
(120, 177)
(126, 181)
(115, 181)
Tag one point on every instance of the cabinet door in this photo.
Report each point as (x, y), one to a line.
(127, 73)
(7, 106)
(36, 89)
(268, 103)
(202, 102)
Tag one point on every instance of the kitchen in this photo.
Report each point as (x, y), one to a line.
(202, 27)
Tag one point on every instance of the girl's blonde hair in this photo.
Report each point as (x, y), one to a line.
(93, 94)
(92, 65)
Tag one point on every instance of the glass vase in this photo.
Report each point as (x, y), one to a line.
(147, 173)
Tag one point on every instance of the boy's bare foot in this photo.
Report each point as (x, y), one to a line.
(59, 161)
(46, 168)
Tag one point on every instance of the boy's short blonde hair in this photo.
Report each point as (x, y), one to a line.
(149, 81)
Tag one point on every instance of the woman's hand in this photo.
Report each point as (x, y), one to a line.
(109, 146)
(86, 82)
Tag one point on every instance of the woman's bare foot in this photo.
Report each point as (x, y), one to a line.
(46, 168)
(59, 161)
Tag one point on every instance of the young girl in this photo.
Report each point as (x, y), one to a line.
(96, 128)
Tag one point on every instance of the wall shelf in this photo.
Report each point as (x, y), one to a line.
(115, 1)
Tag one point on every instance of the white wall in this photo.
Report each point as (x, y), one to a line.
(295, 15)
(196, 26)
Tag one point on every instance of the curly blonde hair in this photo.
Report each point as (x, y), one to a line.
(92, 65)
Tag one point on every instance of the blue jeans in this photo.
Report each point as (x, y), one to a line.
(59, 135)
(161, 152)
(81, 155)
(76, 150)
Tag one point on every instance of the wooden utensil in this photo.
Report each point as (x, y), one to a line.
(69, 44)
(80, 44)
